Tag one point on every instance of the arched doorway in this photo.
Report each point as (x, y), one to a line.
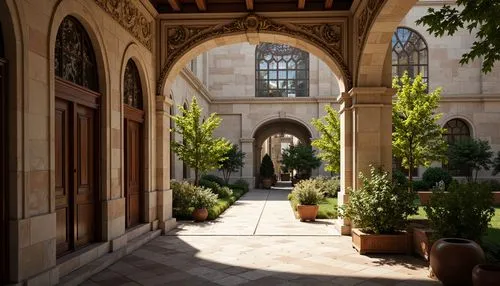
(275, 128)
(133, 143)
(3, 159)
(77, 125)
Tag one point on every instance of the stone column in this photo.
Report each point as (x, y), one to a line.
(247, 171)
(366, 137)
(163, 193)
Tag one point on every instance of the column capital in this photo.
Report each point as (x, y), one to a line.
(247, 140)
(163, 103)
(371, 95)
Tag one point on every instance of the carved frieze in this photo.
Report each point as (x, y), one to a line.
(366, 17)
(182, 38)
(131, 18)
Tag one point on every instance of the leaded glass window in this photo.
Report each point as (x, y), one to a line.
(132, 94)
(74, 55)
(409, 53)
(281, 71)
(457, 130)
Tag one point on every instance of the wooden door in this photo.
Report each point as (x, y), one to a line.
(84, 188)
(3, 170)
(76, 176)
(63, 171)
(133, 169)
(134, 163)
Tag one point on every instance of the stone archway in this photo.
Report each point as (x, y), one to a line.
(274, 126)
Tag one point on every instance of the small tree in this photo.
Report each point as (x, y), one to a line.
(417, 139)
(266, 167)
(199, 149)
(301, 158)
(232, 162)
(329, 141)
(474, 154)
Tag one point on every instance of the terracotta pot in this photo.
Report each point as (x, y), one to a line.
(366, 243)
(267, 183)
(486, 275)
(307, 212)
(452, 260)
(200, 215)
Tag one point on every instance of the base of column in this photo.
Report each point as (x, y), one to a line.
(167, 225)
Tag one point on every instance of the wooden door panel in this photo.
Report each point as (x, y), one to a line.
(84, 184)
(62, 169)
(3, 170)
(133, 176)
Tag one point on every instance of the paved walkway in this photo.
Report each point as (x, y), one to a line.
(259, 212)
(259, 242)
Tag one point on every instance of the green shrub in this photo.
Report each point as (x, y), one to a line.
(328, 186)
(266, 170)
(241, 184)
(222, 192)
(182, 196)
(400, 178)
(380, 205)
(420, 186)
(213, 178)
(203, 198)
(434, 175)
(225, 192)
(492, 185)
(307, 192)
(464, 212)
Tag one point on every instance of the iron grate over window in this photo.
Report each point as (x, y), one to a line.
(281, 71)
(409, 53)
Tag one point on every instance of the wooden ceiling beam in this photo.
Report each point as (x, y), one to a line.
(202, 5)
(175, 4)
(328, 4)
(249, 4)
(302, 4)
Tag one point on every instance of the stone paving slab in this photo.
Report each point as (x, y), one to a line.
(259, 212)
(260, 260)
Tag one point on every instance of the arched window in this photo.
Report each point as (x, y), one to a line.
(409, 53)
(281, 71)
(74, 55)
(457, 130)
(132, 94)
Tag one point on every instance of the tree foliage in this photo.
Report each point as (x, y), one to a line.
(301, 158)
(477, 16)
(417, 138)
(496, 164)
(329, 141)
(232, 162)
(266, 167)
(474, 154)
(199, 149)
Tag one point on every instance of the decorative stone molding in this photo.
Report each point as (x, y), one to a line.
(179, 39)
(365, 20)
(129, 16)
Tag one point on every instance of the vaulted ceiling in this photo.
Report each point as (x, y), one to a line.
(217, 6)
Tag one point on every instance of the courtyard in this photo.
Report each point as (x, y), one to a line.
(258, 241)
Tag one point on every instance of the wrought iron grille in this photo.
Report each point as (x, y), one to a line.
(281, 71)
(74, 55)
(132, 94)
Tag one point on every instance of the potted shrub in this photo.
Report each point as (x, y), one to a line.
(302, 159)
(267, 171)
(459, 218)
(307, 195)
(380, 210)
(202, 200)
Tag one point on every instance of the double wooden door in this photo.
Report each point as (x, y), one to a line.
(76, 154)
(134, 165)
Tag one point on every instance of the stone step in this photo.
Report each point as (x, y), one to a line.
(83, 273)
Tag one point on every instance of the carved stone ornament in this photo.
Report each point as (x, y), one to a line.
(129, 16)
(366, 18)
(180, 39)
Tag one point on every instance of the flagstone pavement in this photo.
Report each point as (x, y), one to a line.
(258, 241)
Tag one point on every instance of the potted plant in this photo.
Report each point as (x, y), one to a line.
(380, 210)
(459, 218)
(301, 158)
(202, 200)
(307, 195)
(267, 171)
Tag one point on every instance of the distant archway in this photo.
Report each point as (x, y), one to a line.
(276, 126)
